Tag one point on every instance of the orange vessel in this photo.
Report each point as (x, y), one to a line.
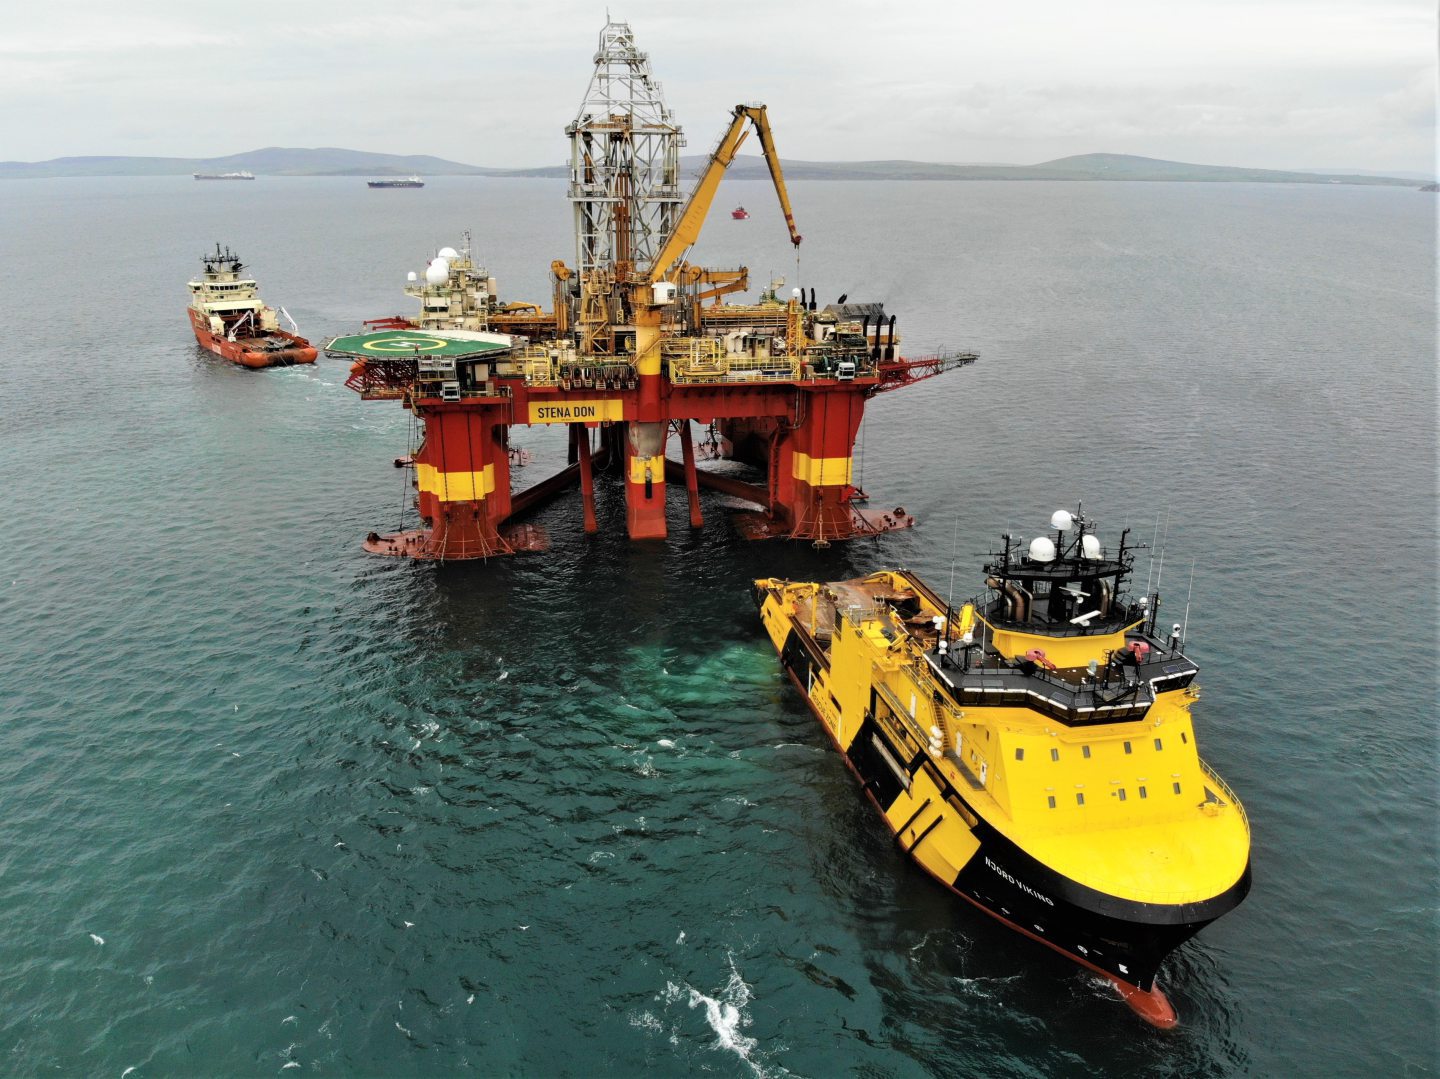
(230, 320)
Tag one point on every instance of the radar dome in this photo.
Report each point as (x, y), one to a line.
(437, 272)
(1062, 520)
(1090, 546)
(412, 276)
(448, 253)
(1042, 549)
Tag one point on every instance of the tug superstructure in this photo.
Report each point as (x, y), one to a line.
(638, 345)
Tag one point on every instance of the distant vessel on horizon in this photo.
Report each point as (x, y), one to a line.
(409, 181)
(242, 175)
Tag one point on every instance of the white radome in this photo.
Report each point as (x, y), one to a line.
(438, 272)
(1042, 549)
(412, 276)
(1062, 520)
(448, 253)
(1090, 546)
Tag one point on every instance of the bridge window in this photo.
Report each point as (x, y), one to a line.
(1177, 787)
(1019, 754)
(1184, 738)
(1158, 744)
(1122, 794)
(1127, 747)
(1085, 752)
(1142, 793)
(1079, 799)
(1051, 800)
(1054, 754)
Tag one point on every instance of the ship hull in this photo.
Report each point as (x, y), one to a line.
(253, 352)
(1123, 940)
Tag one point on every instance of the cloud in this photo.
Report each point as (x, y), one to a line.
(1264, 82)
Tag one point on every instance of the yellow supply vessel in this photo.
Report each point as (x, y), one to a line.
(1033, 751)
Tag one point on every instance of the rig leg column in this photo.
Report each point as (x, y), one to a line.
(645, 480)
(580, 445)
(692, 481)
(820, 468)
(463, 475)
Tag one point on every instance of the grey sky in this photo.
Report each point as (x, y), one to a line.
(1272, 83)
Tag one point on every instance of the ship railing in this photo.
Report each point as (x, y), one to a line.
(764, 369)
(538, 364)
(946, 712)
(695, 359)
(912, 725)
(1227, 796)
(700, 367)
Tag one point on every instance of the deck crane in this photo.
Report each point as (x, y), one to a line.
(655, 290)
(692, 218)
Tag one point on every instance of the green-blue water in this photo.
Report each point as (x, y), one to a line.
(559, 814)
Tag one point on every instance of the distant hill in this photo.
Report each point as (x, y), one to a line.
(1080, 167)
(334, 161)
(270, 161)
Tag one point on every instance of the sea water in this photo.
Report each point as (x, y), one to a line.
(272, 804)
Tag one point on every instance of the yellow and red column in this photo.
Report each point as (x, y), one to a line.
(462, 476)
(812, 475)
(645, 435)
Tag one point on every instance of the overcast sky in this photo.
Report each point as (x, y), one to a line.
(1271, 83)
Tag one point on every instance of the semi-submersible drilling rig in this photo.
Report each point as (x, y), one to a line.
(637, 345)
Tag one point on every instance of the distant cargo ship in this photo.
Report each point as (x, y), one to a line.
(411, 181)
(224, 175)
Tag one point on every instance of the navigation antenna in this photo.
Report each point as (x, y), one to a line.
(1185, 622)
(954, 552)
(1158, 539)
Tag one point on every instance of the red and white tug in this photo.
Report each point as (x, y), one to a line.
(230, 319)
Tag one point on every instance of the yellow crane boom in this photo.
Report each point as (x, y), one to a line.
(692, 218)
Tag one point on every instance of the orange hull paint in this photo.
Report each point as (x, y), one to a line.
(245, 351)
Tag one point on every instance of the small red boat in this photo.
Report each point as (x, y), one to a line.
(739, 213)
(230, 320)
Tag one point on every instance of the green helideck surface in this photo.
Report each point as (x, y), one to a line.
(402, 344)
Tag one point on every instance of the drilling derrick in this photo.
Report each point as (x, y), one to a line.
(639, 344)
(624, 161)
